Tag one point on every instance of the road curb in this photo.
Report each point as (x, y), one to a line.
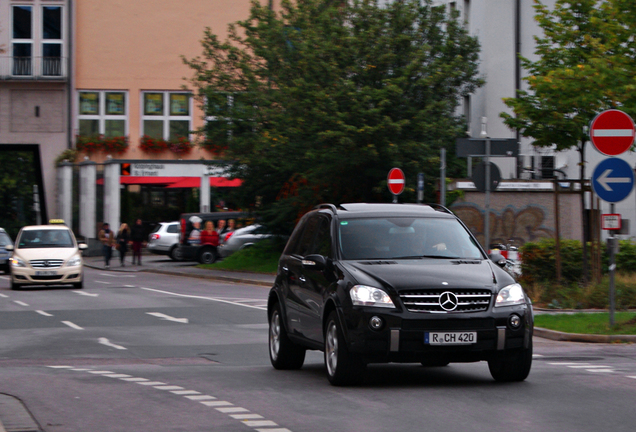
(15, 417)
(577, 337)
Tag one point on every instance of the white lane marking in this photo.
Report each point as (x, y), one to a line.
(84, 293)
(116, 375)
(5, 296)
(101, 372)
(104, 283)
(564, 363)
(216, 403)
(601, 370)
(80, 369)
(168, 317)
(117, 276)
(185, 392)
(151, 383)
(105, 341)
(41, 312)
(129, 286)
(72, 325)
(60, 367)
(589, 366)
(200, 397)
(227, 410)
(273, 430)
(259, 423)
(537, 355)
(630, 376)
(205, 298)
(134, 379)
(168, 387)
(240, 416)
(20, 303)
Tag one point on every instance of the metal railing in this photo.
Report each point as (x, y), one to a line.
(40, 68)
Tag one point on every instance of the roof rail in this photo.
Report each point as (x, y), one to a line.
(439, 207)
(327, 206)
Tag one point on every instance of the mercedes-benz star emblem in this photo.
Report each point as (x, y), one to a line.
(448, 301)
(46, 263)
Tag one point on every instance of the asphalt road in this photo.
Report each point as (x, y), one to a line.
(149, 352)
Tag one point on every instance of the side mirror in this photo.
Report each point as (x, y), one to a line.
(9, 248)
(498, 259)
(82, 246)
(315, 262)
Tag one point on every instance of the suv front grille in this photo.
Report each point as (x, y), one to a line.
(47, 264)
(468, 300)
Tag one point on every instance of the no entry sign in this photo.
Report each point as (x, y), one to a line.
(396, 181)
(612, 132)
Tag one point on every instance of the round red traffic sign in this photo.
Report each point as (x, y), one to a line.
(612, 132)
(396, 181)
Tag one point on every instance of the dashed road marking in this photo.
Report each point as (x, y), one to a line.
(104, 283)
(41, 312)
(630, 376)
(2, 295)
(21, 303)
(108, 343)
(84, 293)
(601, 370)
(588, 366)
(117, 276)
(263, 307)
(72, 325)
(236, 412)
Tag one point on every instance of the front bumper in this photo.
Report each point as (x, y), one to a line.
(402, 336)
(30, 276)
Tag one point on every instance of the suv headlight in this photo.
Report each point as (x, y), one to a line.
(510, 295)
(17, 262)
(363, 295)
(75, 261)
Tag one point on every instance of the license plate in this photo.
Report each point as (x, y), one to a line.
(45, 273)
(450, 338)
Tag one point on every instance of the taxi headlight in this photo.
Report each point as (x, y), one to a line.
(363, 295)
(510, 295)
(17, 262)
(75, 261)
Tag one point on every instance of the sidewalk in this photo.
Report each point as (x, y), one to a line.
(164, 265)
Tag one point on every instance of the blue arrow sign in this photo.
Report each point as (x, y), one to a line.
(613, 180)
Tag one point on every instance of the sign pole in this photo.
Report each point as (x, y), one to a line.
(613, 243)
(484, 134)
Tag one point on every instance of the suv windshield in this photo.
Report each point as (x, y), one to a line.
(44, 238)
(405, 238)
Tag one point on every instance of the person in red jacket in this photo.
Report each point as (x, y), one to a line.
(209, 236)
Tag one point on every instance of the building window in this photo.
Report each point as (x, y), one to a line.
(37, 40)
(166, 115)
(103, 113)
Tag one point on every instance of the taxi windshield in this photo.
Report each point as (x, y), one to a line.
(406, 238)
(45, 238)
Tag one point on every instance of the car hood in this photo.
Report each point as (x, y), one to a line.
(45, 253)
(428, 273)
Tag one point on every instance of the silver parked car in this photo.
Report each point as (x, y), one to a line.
(165, 239)
(5, 255)
(243, 238)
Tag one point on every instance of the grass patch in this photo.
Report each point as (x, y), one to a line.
(589, 323)
(260, 258)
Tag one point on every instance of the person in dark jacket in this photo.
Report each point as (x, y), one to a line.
(137, 237)
(123, 237)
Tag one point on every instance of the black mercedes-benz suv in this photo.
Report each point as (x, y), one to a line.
(377, 283)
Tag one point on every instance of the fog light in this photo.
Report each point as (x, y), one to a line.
(515, 321)
(376, 323)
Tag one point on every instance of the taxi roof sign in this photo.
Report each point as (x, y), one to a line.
(57, 222)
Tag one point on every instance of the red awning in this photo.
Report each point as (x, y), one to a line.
(194, 182)
(176, 182)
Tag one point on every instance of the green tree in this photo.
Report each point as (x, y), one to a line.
(17, 178)
(317, 102)
(585, 65)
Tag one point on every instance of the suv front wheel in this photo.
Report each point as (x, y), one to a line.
(343, 367)
(283, 353)
(510, 368)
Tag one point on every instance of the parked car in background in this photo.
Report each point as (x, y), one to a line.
(243, 238)
(46, 255)
(5, 255)
(164, 240)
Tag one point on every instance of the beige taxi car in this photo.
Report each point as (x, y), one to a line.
(46, 255)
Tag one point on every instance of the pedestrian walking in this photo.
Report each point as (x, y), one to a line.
(107, 238)
(123, 237)
(137, 237)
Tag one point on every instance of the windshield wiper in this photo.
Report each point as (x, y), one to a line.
(441, 256)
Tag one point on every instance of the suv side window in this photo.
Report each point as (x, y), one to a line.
(173, 229)
(322, 244)
(305, 243)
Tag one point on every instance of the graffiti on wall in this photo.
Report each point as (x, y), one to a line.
(510, 226)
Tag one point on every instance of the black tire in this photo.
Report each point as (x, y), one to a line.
(79, 285)
(207, 255)
(283, 353)
(175, 254)
(512, 368)
(343, 367)
(14, 286)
